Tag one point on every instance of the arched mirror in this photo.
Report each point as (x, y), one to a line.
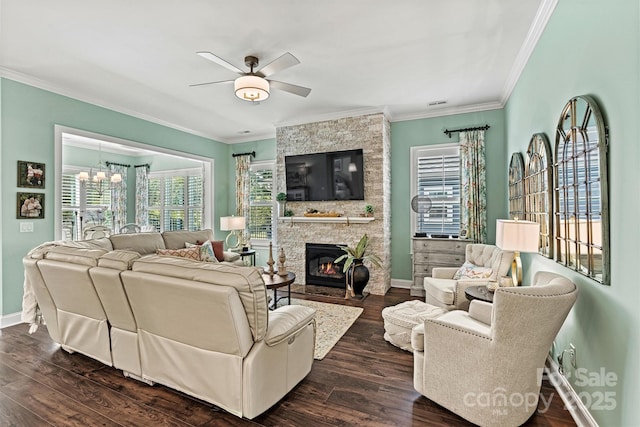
(516, 187)
(581, 197)
(538, 182)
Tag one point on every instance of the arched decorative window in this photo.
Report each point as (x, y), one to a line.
(581, 196)
(516, 187)
(538, 182)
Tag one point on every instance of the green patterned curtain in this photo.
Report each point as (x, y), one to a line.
(142, 195)
(473, 194)
(118, 196)
(243, 163)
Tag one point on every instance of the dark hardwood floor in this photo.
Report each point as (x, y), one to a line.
(363, 381)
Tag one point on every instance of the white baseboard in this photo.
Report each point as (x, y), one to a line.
(10, 320)
(572, 401)
(401, 283)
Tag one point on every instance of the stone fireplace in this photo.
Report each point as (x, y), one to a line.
(371, 133)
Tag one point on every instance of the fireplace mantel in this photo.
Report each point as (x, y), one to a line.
(328, 219)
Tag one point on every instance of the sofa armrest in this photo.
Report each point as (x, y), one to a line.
(481, 311)
(287, 321)
(443, 272)
(230, 256)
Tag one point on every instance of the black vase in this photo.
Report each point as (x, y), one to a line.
(358, 276)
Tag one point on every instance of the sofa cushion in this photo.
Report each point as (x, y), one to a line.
(192, 253)
(218, 248)
(118, 259)
(73, 255)
(177, 239)
(246, 280)
(471, 271)
(143, 243)
(207, 253)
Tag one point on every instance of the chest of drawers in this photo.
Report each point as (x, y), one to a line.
(433, 252)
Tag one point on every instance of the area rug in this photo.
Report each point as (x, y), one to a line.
(332, 322)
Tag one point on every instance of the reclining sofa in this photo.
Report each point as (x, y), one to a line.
(198, 327)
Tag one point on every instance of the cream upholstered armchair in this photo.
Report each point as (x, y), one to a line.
(486, 364)
(483, 264)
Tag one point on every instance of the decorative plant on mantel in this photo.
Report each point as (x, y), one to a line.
(357, 274)
(281, 198)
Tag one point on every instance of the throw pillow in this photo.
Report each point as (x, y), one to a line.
(189, 253)
(218, 248)
(470, 271)
(206, 251)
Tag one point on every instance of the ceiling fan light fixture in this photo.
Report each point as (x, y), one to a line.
(251, 88)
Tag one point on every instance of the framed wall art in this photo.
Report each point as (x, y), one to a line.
(30, 174)
(30, 206)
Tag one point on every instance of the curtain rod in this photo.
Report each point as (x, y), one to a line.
(449, 132)
(116, 164)
(251, 153)
(146, 165)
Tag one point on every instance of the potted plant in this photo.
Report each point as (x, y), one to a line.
(281, 198)
(368, 211)
(357, 274)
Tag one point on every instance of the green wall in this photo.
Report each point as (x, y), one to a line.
(592, 48)
(407, 134)
(28, 116)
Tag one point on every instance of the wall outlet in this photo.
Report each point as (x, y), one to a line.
(26, 227)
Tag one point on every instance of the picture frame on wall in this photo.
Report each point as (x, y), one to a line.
(31, 174)
(30, 206)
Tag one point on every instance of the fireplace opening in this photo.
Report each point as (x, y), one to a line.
(321, 268)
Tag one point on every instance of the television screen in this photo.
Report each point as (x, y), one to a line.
(336, 175)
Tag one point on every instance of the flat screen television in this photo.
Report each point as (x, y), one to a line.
(336, 175)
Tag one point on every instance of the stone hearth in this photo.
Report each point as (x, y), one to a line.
(372, 134)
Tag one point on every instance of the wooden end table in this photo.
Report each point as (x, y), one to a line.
(479, 292)
(276, 282)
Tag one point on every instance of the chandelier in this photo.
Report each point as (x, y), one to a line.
(101, 179)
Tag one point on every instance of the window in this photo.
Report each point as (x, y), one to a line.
(435, 182)
(581, 202)
(176, 200)
(516, 186)
(538, 183)
(261, 202)
(82, 205)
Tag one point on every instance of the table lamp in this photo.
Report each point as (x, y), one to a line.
(232, 224)
(517, 236)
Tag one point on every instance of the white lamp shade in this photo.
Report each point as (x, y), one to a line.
(100, 175)
(228, 223)
(83, 176)
(520, 236)
(116, 177)
(251, 88)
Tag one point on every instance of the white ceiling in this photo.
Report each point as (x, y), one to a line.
(357, 56)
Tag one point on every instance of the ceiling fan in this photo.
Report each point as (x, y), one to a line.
(254, 85)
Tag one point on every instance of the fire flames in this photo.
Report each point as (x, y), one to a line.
(327, 268)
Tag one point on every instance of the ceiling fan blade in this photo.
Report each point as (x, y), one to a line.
(288, 87)
(211, 83)
(283, 62)
(211, 57)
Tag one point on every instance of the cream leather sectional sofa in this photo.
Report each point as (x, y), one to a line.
(201, 328)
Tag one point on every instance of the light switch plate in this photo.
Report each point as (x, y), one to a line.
(26, 227)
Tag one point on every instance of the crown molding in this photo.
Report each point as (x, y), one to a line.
(543, 15)
(447, 111)
(65, 91)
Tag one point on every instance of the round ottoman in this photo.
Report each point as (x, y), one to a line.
(400, 319)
